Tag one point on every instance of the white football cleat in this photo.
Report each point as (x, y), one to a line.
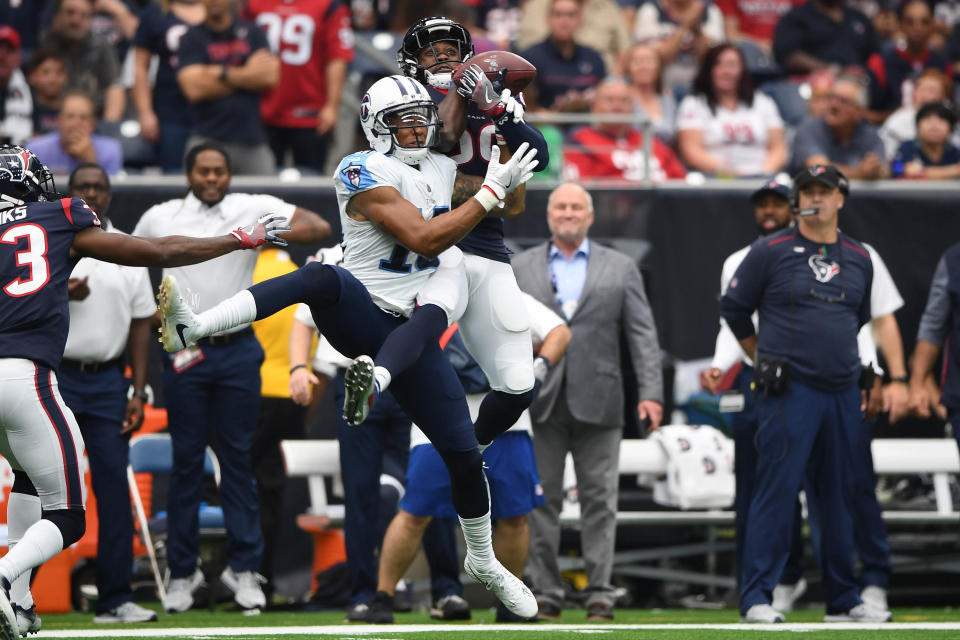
(180, 592)
(9, 628)
(762, 614)
(176, 318)
(861, 613)
(786, 595)
(359, 386)
(27, 620)
(510, 589)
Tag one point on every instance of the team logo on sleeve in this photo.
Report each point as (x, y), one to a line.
(365, 108)
(823, 271)
(352, 173)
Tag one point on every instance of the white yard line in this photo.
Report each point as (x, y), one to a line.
(384, 630)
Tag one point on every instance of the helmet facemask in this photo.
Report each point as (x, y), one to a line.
(412, 129)
(425, 34)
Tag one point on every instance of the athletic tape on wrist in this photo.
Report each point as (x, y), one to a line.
(487, 197)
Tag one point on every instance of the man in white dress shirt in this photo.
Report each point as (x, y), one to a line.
(216, 383)
(111, 307)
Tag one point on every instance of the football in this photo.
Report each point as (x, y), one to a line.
(517, 72)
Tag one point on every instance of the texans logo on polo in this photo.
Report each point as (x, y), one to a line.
(823, 271)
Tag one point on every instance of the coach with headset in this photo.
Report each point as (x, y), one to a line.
(810, 285)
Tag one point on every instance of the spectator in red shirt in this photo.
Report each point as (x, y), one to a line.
(314, 42)
(614, 150)
(752, 21)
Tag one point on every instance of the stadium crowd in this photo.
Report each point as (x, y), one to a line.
(827, 90)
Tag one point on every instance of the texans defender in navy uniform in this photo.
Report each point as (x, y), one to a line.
(481, 295)
(42, 236)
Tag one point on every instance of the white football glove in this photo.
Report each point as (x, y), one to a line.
(474, 85)
(264, 230)
(512, 108)
(502, 179)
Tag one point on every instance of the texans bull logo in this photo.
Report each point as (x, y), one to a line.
(823, 271)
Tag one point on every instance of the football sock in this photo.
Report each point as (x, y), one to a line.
(477, 535)
(498, 412)
(468, 484)
(238, 309)
(405, 343)
(382, 377)
(39, 543)
(23, 510)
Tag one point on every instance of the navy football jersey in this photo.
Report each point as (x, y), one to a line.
(35, 264)
(472, 156)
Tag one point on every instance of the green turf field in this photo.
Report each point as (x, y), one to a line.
(632, 624)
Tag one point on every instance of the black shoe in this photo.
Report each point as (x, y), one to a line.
(505, 615)
(549, 610)
(403, 597)
(380, 610)
(451, 607)
(599, 612)
(358, 613)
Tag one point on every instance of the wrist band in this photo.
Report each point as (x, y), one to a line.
(903, 379)
(297, 366)
(487, 197)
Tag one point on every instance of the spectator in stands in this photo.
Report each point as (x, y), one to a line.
(75, 141)
(650, 98)
(117, 21)
(92, 64)
(302, 110)
(614, 150)
(931, 155)
(682, 31)
(16, 119)
(26, 18)
(932, 85)
(946, 13)
(725, 127)
(581, 403)
(602, 28)
(164, 113)
(47, 75)
(754, 22)
(894, 69)
(111, 314)
(224, 66)
(820, 33)
(567, 72)
(842, 137)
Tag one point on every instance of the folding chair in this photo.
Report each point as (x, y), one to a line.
(153, 453)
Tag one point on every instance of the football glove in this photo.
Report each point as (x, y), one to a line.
(264, 230)
(502, 179)
(474, 85)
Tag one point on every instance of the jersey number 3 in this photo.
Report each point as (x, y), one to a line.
(34, 256)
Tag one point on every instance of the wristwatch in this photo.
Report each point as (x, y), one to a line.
(903, 379)
(142, 394)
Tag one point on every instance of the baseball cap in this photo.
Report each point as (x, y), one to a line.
(772, 186)
(9, 35)
(825, 174)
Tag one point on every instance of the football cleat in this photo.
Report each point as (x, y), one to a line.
(176, 318)
(508, 588)
(360, 390)
(27, 620)
(9, 628)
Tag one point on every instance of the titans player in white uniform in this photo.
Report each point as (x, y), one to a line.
(388, 200)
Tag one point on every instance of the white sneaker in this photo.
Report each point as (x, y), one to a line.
(510, 589)
(861, 613)
(27, 620)
(786, 595)
(875, 596)
(128, 612)
(359, 386)
(762, 614)
(176, 318)
(246, 588)
(180, 592)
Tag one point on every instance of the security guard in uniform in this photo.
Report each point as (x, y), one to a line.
(810, 285)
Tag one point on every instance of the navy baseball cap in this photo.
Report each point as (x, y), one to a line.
(825, 174)
(773, 186)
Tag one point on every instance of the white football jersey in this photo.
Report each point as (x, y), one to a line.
(391, 273)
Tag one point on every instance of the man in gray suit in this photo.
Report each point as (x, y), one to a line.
(580, 406)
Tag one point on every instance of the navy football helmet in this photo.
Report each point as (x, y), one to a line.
(23, 178)
(424, 33)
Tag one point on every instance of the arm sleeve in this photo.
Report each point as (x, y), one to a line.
(542, 319)
(743, 294)
(516, 133)
(884, 296)
(690, 115)
(302, 313)
(143, 38)
(867, 348)
(768, 112)
(936, 315)
(79, 214)
(641, 333)
(257, 38)
(191, 49)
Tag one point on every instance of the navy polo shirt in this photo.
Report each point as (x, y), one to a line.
(236, 117)
(556, 75)
(812, 299)
(849, 42)
(160, 33)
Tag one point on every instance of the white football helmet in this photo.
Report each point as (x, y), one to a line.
(398, 103)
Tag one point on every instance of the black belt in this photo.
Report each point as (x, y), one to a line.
(91, 367)
(227, 338)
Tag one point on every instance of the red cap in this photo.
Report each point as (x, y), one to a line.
(9, 35)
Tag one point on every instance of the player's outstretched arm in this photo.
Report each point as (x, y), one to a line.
(385, 207)
(174, 251)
